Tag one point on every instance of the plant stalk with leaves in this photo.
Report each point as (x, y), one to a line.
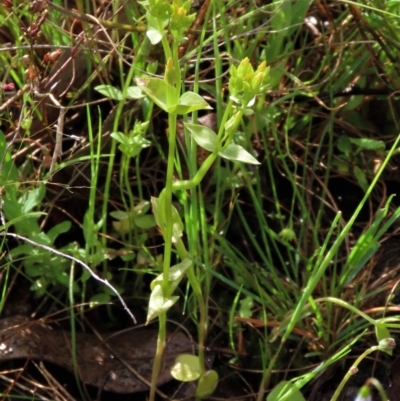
(244, 84)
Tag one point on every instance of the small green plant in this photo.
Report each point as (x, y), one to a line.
(19, 204)
(43, 264)
(244, 85)
(353, 161)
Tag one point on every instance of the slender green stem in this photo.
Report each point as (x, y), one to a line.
(162, 335)
(168, 199)
(352, 371)
(201, 172)
(200, 300)
(167, 233)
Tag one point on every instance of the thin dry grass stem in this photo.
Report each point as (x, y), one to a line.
(55, 387)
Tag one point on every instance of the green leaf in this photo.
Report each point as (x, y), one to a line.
(288, 234)
(55, 231)
(23, 218)
(145, 222)
(34, 270)
(282, 17)
(159, 304)
(142, 207)
(89, 230)
(101, 298)
(176, 273)
(190, 102)
(246, 307)
(24, 249)
(110, 92)
(204, 136)
(365, 247)
(282, 388)
(60, 276)
(119, 137)
(237, 153)
(128, 258)
(207, 384)
(135, 93)
(154, 36)
(8, 173)
(361, 178)
(156, 89)
(248, 112)
(39, 286)
(41, 238)
(158, 206)
(368, 144)
(158, 214)
(119, 215)
(364, 393)
(359, 256)
(382, 332)
(186, 368)
(33, 199)
(123, 226)
(344, 145)
(393, 217)
(26, 123)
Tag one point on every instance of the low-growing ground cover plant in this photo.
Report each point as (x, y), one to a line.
(269, 233)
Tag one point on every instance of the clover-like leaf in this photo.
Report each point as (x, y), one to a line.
(176, 273)
(159, 304)
(204, 136)
(190, 102)
(237, 153)
(156, 89)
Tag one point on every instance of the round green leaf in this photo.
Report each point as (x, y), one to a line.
(207, 384)
(186, 368)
